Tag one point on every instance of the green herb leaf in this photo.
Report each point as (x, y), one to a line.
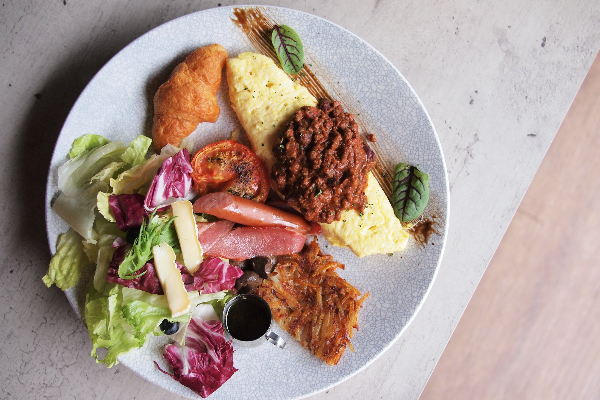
(152, 233)
(410, 192)
(289, 48)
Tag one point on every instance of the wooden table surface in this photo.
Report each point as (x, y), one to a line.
(531, 329)
(497, 78)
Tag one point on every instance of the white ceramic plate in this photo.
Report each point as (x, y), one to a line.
(117, 103)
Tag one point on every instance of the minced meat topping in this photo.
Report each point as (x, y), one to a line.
(322, 163)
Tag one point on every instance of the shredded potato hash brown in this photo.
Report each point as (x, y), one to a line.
(313, 303)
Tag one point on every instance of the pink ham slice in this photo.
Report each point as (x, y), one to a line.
(248, 242)
(211, 232)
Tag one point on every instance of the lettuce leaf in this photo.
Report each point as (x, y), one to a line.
(218, 298)
(136, 152)
(133, 180)
(76, 174)
(145, 311)
(85, 143)
(108, 172)
(103, 206)
(80, 180)
(107, 233)
(121, 319)
(107, 325)
(79, 211)
(67, 264)
(218, 303)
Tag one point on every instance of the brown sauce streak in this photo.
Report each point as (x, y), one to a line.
(423, 230)
(257, 26)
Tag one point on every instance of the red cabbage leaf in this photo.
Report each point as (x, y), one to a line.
(205, 362)
(172, 182)
(215, 275)
(128, 210)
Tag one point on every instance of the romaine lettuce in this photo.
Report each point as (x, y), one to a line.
(107, 233)
(144, 312)
(107, 325)
(103, 206)
(75, 175)
(122, 319)
(136, 152)
(79, 211)
(68, 262)
(85, 143)
(109, 171)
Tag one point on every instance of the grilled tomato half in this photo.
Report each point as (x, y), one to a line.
(229, 166)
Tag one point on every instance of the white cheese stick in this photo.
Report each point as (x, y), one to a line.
(170, 279)
(187, 232)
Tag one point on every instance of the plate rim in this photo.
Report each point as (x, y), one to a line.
(445, 206)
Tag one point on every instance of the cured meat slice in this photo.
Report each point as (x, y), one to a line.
(211, 232)
(248, 242)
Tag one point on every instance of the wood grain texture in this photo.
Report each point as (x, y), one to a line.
(531, 329)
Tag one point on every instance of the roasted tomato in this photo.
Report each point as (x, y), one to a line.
(231, 167)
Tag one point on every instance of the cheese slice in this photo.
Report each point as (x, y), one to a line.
(187, 232)
(170, 279)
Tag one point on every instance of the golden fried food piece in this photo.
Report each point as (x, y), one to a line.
(311, 302)
(189, 97)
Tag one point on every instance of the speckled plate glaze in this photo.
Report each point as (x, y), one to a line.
(117, 103)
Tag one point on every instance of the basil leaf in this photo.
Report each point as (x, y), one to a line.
(410, 192)
(289, 48)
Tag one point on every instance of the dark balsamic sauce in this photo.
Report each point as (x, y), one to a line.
(248, 318)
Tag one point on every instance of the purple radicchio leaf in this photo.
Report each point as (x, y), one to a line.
(205, 362)
(128, 210)
(215, 275)
(172, 182)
